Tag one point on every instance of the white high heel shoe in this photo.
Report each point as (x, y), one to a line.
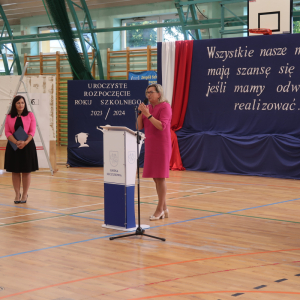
(166, 213)
(161, 216)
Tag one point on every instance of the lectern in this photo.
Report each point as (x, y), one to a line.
(120, 165)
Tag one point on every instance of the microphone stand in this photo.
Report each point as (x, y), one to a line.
(139, 230)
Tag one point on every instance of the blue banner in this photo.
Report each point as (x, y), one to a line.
(151, 76)
(96, 103)
(244, 107)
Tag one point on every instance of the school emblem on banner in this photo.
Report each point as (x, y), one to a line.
(81, 138)
(131, 157)
(114, 158)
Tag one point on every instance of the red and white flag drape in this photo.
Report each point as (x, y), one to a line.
(176, 73)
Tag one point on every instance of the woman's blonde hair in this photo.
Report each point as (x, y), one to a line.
(159, 90)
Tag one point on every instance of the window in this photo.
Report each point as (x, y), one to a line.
(296, 24)
(57, 45)
(140, 38)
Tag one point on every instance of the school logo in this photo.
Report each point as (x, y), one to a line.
(35, 101)
(131, 157)
(81, 138)
(114, 158)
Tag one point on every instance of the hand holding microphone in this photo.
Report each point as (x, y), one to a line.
(143, 108)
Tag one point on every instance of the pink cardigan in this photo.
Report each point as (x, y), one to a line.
(29, 124)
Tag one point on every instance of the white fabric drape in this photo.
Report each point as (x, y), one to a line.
(168, 68)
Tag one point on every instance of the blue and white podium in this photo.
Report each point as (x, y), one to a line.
(120, 165)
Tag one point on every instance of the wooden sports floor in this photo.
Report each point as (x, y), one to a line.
(227, 237)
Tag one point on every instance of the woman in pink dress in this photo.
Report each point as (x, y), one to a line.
(156, 119)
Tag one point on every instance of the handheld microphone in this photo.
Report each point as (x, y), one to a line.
(145, 102)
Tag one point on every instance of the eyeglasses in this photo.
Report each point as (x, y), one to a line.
(150, 92)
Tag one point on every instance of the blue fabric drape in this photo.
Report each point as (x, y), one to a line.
(244, 109)
(263, 155)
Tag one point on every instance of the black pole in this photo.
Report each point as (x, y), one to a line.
(139, 230)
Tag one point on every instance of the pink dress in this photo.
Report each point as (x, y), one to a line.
(158, 146)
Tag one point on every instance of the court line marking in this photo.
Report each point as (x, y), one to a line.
(225, 190)
(179, 191)
(29, 221)
(4, 187)
(176, 191)
(209, 193)
(32, 188)
(195, 275)
(40, 174)
(101, 178)
(50, 212)
(67, 178)
(100, 181)
(122, 233)
(204, 183)
(226, 213)
(81, 178)
(44, 212)
(146, 268)
(215, 292)
(184, 221)
(189, 208)
(204, 217)
(71, 172)
(230, 212)
(242, 183)
(154, 203)
(47, 218)
(135, 198)
(183, 191)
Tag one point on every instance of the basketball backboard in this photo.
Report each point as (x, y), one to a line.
(271, 14)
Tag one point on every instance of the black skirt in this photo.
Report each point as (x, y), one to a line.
(22, 160)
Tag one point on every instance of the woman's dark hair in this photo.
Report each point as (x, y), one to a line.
(13, 111)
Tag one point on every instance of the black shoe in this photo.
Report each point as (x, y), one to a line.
(18, 201)
(24, 201)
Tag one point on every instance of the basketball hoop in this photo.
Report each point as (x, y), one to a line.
(263, 31)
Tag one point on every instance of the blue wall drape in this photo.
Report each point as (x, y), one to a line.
(244, 108)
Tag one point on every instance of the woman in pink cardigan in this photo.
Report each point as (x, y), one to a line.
(24, 159)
